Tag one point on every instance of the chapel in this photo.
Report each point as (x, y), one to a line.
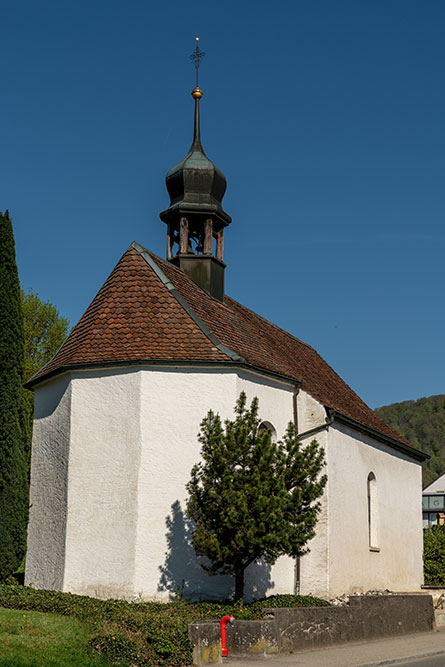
(118, 410)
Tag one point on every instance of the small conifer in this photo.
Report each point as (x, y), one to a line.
(13, 460)
(250, 497)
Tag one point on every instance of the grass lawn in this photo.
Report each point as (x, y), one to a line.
(35, 639)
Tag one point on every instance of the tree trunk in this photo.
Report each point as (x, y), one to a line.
(239, 585)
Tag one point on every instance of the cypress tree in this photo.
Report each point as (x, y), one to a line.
(13, 460)
(251, 498)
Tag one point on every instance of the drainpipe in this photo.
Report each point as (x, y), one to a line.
(295, 406)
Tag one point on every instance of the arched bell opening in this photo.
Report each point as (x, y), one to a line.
(195, 239)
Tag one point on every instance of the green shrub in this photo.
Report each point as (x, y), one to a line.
(117, 648)
(434, 555)
(145, 633)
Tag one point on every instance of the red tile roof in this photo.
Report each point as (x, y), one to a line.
(133, 316)
(150, 310)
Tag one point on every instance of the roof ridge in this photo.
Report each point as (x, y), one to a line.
(146, 255)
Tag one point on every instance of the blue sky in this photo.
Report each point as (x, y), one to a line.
(327, 119)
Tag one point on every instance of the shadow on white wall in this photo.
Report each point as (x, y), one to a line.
(183, 576)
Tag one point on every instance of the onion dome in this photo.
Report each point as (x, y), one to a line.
(195, 185)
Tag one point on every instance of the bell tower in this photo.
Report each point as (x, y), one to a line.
(195, 218)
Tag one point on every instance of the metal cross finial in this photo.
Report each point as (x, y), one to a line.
(197, 56)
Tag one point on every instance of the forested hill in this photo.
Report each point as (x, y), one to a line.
(422, 422)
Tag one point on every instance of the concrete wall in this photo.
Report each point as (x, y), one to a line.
(302, 628)
(353, 566)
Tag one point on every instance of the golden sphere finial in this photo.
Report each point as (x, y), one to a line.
(197, 93)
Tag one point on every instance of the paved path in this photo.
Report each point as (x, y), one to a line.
(364, 654)
(432, 661)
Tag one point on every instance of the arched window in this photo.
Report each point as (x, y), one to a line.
(267, 426)
(373, 517)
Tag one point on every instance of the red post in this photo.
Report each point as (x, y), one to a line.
(223, 627)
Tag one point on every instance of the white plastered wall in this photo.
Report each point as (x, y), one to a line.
(276, 403)
(85, 462)
(104, 461)
(352, 565)
(45, 559)
(314, 564)
(173, 403)
(112, 453)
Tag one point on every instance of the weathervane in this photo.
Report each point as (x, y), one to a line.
(196, 57)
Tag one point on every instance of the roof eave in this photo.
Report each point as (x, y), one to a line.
(398, 445)
(333, 414)
(34, 381)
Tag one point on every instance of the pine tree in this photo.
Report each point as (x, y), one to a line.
(251, 498)
(13, 462)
